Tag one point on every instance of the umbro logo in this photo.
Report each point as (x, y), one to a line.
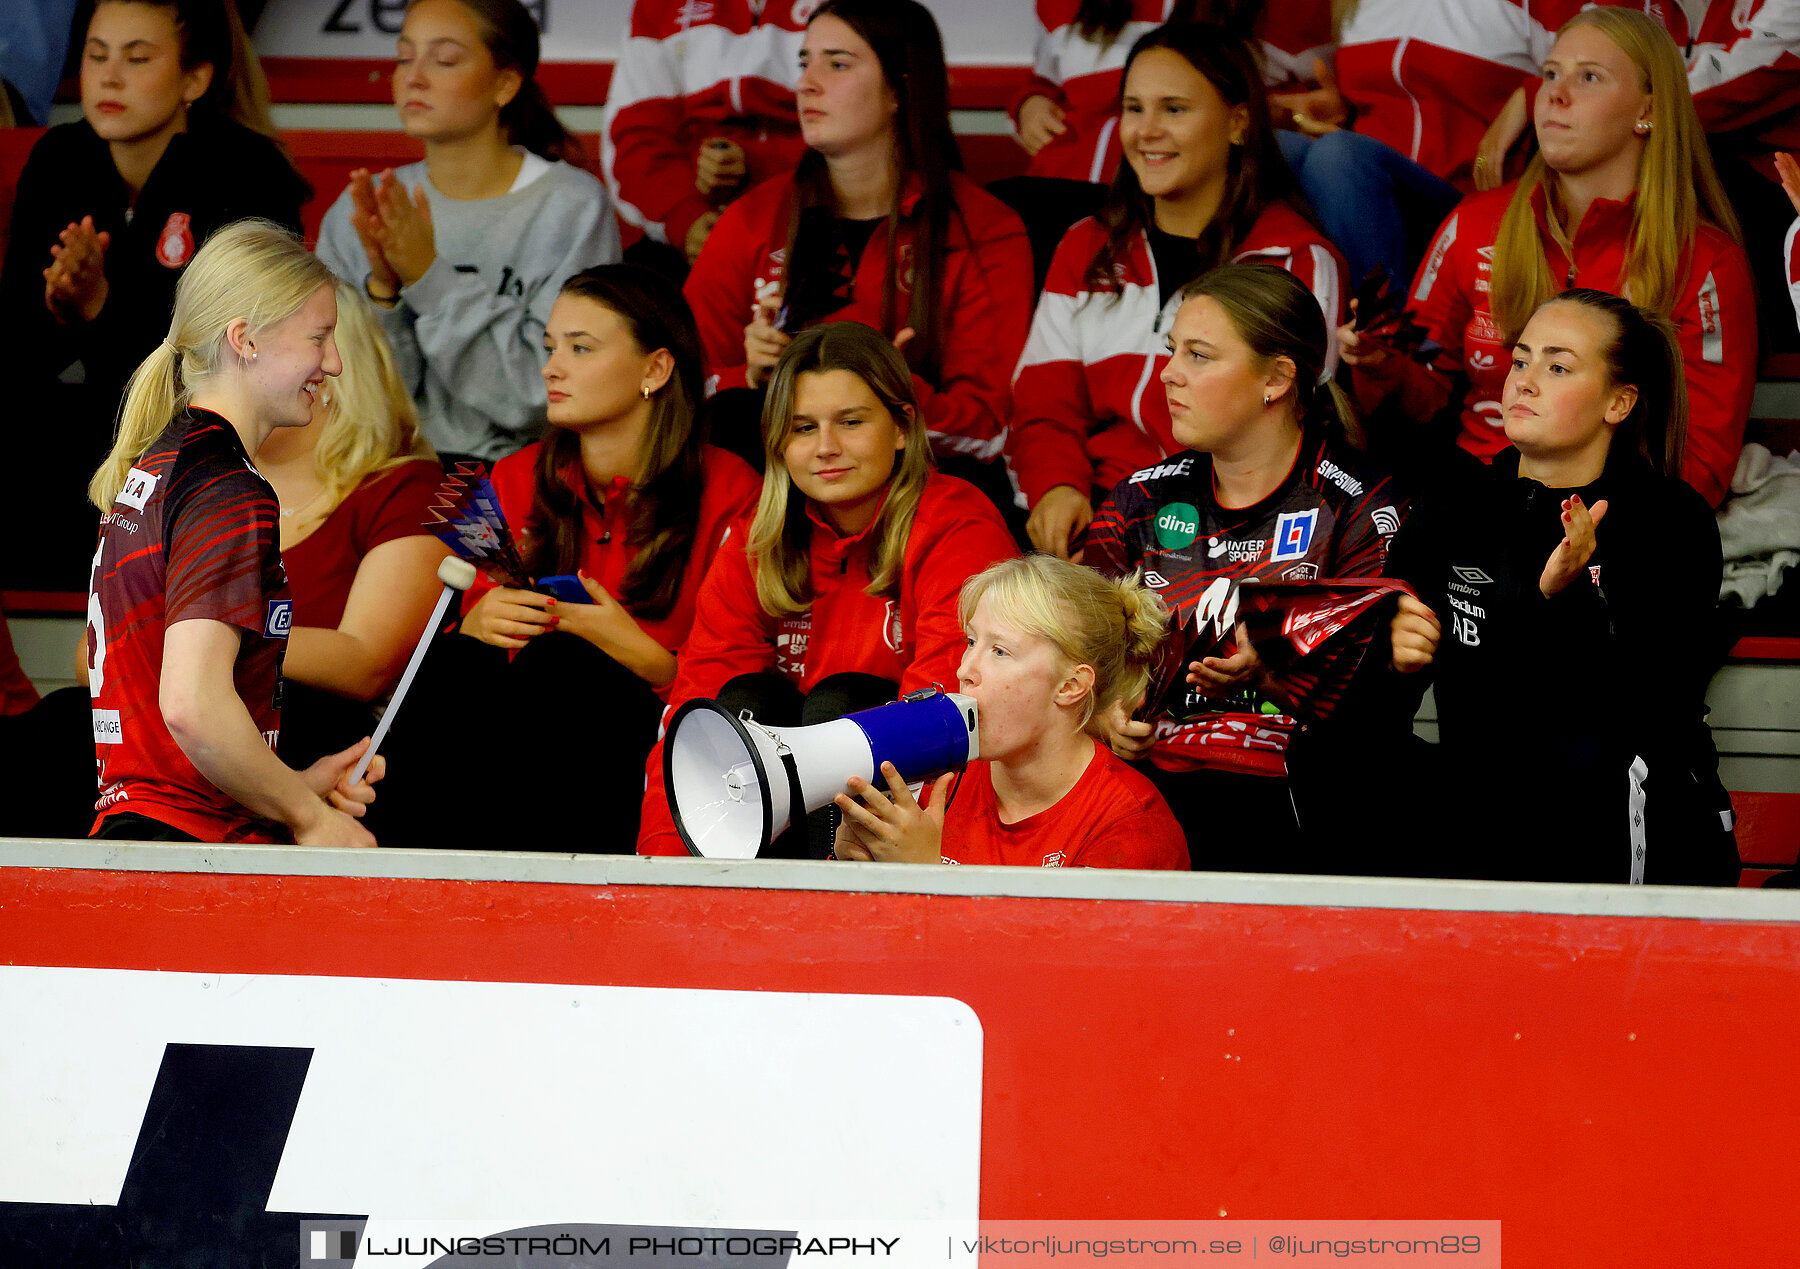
(1473, 576)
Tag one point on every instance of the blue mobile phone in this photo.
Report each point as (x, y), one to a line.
(566, 587)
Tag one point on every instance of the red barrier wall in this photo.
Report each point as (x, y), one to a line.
(1611, 1087)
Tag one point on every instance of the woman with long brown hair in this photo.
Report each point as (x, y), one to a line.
(1203, 184)
(625, 497)
(877, 224)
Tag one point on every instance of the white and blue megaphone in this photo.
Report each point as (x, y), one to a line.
(735, 785)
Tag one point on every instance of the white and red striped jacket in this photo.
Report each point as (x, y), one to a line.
(1743, 63)
(1427, 77)
(1082, 75)
(1792, 250)
(689, 70)
(1088, 408)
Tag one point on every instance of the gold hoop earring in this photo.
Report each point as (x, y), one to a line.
(645, 393)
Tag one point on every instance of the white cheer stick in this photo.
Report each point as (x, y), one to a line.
(457, 575)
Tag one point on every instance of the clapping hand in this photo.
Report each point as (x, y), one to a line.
(1577, 547)
(75, 286)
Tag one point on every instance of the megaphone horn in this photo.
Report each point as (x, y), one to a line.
(734, 784)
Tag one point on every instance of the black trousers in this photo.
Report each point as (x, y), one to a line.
(775, 701)
(129, 826)
(544, 752)
(47, 777)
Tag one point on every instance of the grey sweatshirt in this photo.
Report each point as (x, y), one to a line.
(469, 334)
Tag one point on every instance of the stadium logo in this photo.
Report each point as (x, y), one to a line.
(278, 617)
(1294, 534)
(1387, 521)
(1177, 525)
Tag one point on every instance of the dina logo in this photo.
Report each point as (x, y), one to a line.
(1177, 525)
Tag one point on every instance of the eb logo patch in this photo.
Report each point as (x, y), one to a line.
(277, 618)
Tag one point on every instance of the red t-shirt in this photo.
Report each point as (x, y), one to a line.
(387, 506)
(194, 534)
(1112, 818)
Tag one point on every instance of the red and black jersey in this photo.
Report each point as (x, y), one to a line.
(193, 534)
(1331, 518)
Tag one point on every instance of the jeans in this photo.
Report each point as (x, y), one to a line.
(1378, 206)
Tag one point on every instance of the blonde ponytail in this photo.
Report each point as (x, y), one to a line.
(254, 270)
(1146, 629)
(148, 406)
(1115, 626)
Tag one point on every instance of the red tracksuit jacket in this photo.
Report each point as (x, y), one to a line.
(1082, 75)
(986, 304)
(728, 495)
(1714, 314)
(915, 639)
(1742, 58)
(1088, 408)
(688, 72)
(1427, 77)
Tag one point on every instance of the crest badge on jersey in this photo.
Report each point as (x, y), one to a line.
(894, 629)
(278, 618)
(1294, 534)
(175, 244)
